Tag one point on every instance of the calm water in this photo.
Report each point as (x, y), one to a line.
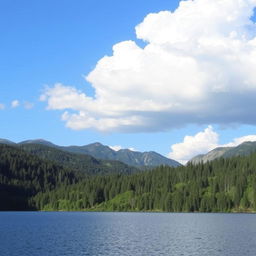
(65, 233)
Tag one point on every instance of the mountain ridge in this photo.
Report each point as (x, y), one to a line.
(77, 162)
(133, 158)
(243, 149)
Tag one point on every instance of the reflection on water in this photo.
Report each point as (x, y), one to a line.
(66, 233)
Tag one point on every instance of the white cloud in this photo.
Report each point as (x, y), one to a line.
(198, 67)
(191, 146)
(28, 105)
(15, 103)
(202, 143)
(133, 149)
(116, 148)
(240, 140)
(2, 106)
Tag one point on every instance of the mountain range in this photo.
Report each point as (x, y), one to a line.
(97, 155)
(244, 149)
(99, 151)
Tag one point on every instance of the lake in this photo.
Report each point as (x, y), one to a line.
(83, 233)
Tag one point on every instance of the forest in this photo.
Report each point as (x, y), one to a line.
(28, 182)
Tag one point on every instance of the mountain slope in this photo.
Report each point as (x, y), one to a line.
(222, 185)
(211, 155)
(77, 162)
(23, 175)
(244, 149)
(133, 158)
(6, 142)
(39, 142)
(99, 151)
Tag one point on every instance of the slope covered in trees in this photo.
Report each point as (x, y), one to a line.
(223, 185)
(77, 162)
(23, 175)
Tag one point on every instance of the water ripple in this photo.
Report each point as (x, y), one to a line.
(126, 234)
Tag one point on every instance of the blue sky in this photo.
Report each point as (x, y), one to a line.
(48, 42)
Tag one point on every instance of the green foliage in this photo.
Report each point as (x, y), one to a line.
(223, 185)
(121, 202)
(23, 175)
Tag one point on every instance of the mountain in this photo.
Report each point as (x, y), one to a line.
(7, 142)
(39, 142)
(213, 154)
(73, 161)
(244, 149)
(133, 158)
(99, 151)
(95, 149)
(76, 162)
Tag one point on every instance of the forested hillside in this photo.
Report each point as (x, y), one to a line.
(23, 175)
(223, 185)
(77, 162)
(243, 149)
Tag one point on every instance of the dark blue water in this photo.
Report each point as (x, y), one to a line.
(66, 233)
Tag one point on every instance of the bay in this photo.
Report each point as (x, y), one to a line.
(95, 233)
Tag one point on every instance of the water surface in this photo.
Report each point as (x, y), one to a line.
(81, 233)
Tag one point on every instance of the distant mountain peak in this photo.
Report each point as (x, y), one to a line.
(97, 144)
(38, 141)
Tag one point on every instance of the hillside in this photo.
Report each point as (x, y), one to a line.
(243, 149)
(223, 185)
(77, 162)
(211, 155)
(23, 175)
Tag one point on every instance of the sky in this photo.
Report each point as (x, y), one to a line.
(176, 77)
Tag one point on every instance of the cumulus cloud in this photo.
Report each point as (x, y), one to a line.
(202, 143)
(191, 146)
(2, 106)
(15, 103)
(198, 66)
(240, 140)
